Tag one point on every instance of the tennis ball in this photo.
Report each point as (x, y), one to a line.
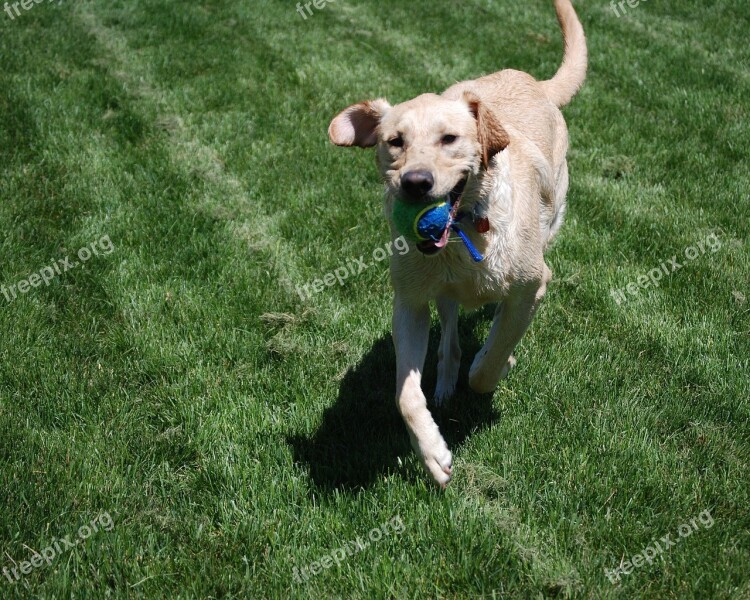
(419, 222)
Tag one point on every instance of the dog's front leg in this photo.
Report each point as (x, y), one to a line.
(495, 360)
(411, 328)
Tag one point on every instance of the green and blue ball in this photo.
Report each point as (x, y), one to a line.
(419, 222)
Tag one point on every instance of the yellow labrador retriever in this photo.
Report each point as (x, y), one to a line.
(496, 146)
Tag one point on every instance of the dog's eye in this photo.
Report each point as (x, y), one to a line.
(448, 139)
(396, 142)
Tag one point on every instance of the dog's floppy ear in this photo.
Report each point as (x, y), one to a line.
(357, 125)
(492, 136)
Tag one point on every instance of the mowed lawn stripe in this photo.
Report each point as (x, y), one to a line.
(172, 231)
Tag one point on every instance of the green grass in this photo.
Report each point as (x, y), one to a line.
(233, 431)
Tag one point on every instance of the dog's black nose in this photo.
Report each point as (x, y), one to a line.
(416, 184)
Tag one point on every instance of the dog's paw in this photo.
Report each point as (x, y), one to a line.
(507, 367)
(444, 391)
(482, 378)
(437, 460)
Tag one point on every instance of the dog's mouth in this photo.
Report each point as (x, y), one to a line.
(430, 247)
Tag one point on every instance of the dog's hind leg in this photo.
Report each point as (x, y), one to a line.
(411, 330)
(561, 190)
(449, 352)
(495, 360)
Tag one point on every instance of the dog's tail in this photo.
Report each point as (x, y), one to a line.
(569, 78)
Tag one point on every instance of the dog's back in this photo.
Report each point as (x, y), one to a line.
(531, 109)
(527, 105)
(520, 104)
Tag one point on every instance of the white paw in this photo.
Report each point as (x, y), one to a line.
(507, 367)
(483, 379)
(436, 459)
(445, 389)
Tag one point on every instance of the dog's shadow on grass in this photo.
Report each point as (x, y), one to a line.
(362, 435)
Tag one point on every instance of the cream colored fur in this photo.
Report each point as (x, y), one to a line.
(511, 142)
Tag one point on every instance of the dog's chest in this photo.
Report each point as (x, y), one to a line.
(453, 275)
(472, 285)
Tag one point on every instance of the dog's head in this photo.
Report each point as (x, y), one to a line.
(427, 147)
